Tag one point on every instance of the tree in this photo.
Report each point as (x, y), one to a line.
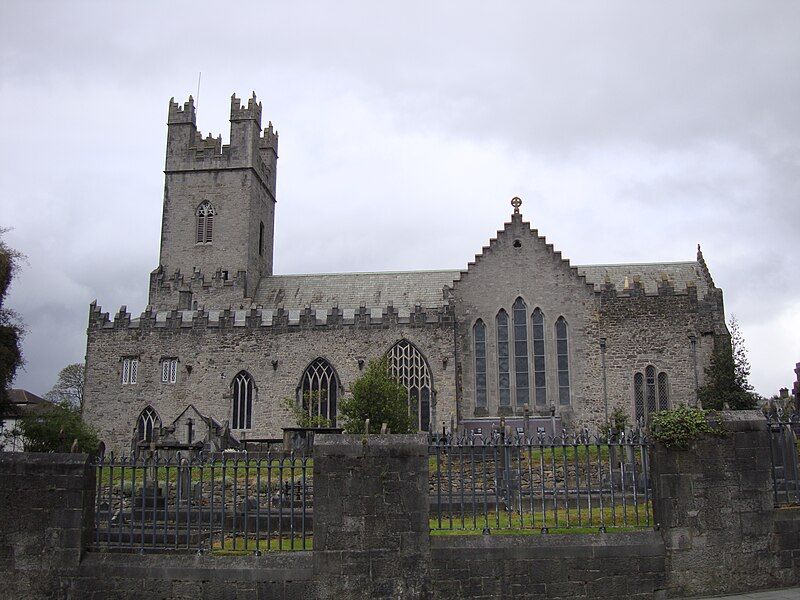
(69, 387)
(376, 396)
(727, 375)
(11, 329)
(55, 428)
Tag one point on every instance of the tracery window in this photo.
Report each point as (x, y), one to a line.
(409, 367)
(503, 377)
(479, 336)
(130, 370)
(650, 393)
(521, 379)
(319, 390)
(205, 223)
(562, 357)
(243, 389)
(539, 377)
(147, 423)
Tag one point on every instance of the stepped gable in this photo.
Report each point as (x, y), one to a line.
(400, 289)
(517, 222)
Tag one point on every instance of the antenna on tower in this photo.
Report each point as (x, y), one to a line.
(197, 98)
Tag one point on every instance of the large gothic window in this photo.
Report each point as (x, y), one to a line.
(479, 335)
(521, 378)
(205, 223)
(539, 378)
(147, 424)
(503, 377)
(650, 393)
(319, 390)
(562, 357)
(243, 389)
(409, 367)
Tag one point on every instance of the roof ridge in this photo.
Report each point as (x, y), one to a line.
(364, 273)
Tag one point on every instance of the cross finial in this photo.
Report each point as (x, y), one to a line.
(516, 203)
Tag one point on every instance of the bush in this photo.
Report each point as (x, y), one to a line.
(301, 416)
(680, 427)
(55, 429)
(378, 397)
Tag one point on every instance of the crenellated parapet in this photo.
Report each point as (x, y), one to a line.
(269, 319)
(250, 147)
(177, 291)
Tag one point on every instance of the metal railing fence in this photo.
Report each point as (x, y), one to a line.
(217, 504)
(543, 483)
(784, 429)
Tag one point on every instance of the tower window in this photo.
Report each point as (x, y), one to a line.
(261, 238)
(205, 223)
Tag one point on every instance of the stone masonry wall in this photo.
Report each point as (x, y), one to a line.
(371, 535)
(714, 505)
(618, 565)
(46, 522)
(210, 358)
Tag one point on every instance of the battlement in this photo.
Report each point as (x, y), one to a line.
(269, 319)
(252, 112)
(249, 147)
(181, 116)
(634, 288)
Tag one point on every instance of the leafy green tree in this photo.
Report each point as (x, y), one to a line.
(11, 329)
(69, 387)
(727, 375)
(55, 429)
(376, 396)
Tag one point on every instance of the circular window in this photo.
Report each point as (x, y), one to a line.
(517, 244)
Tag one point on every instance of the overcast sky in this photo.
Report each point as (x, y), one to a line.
(632, 131)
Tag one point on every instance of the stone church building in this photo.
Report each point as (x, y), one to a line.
(518, 329)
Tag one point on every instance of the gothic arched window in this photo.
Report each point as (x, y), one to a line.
(147, 424)
(479, 336)
(539, 378)
(503, 377)
(663, 391)
(650, 389)
(409, 367)
(562, 356)
(243, 389)
(205, 223)
(521, 379)
(319, 390)
(638, 396)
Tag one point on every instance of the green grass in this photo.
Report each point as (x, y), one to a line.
(590, 523)
(226, 548)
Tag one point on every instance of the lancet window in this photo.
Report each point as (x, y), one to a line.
(147, 424)
(409, 367)
(562, 358)
(650, 393)
(521, 367)
(503, 376)
(243, 391)
(539, 377)
(479, 335)
(319, 390)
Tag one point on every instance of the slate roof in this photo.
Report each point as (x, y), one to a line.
(406, 289)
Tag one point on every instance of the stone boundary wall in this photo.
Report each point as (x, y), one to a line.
(617, 565)
(718, 532)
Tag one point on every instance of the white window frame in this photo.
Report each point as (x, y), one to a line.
(169, 370)
(130, 370)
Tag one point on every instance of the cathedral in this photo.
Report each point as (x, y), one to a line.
(225, 347)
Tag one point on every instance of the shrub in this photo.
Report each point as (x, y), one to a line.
(680, 427)
(55, 429)
(377, 396)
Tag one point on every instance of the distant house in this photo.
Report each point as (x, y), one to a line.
(23, 403)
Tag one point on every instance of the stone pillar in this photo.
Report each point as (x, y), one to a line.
(714, 506)
(46, 517)
(371, 536)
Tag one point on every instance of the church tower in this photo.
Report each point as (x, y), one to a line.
(219, 210)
